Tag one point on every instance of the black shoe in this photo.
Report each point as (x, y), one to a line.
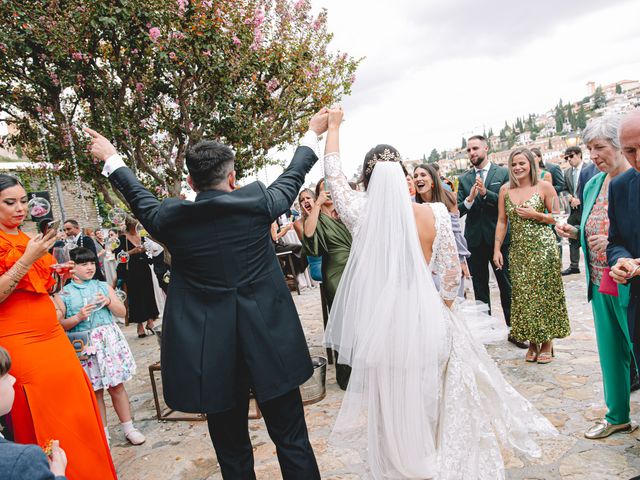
(517, 343)
(634, 380)
(343, 373)
(570, 271)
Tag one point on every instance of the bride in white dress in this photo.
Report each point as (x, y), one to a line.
(424, 399)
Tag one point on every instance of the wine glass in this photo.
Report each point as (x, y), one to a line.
(61, 268)
(97, 302)
(560, 210)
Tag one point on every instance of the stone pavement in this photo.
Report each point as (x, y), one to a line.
(568, 391)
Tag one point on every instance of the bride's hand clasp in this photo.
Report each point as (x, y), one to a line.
(336, 115)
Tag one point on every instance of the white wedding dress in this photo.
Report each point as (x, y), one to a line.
(425, 401)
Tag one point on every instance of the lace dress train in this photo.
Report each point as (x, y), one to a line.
(425, 400)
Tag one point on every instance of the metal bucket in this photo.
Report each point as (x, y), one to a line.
(314, 389)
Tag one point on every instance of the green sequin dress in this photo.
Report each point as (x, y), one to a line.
(538, 306)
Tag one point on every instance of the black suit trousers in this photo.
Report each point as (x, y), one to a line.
(481, 257)
(574, 245)
(284, 417)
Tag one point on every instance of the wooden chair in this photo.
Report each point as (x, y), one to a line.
(288, 257)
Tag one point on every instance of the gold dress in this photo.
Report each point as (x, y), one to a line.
(538, 307)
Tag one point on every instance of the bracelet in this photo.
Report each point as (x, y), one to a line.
(17, 271)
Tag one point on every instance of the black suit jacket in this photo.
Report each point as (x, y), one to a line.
(87, 242)
(624, 228)
(480, 227)
(228, 305)
(557, 177)
(587, 173)
(24, 462)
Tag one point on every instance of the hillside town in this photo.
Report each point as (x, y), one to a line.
(552, 132)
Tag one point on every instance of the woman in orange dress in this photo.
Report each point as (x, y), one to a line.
(54, 398)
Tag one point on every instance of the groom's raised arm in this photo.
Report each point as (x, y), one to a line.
(143, 203)
(282, 192)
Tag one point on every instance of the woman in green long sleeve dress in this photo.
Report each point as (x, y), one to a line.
(324, 235)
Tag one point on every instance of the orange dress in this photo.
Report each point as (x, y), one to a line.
(54, 398)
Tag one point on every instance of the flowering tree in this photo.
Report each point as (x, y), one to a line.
(156, 76)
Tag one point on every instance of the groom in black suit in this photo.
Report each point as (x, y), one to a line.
(230, 324)
(478, 191)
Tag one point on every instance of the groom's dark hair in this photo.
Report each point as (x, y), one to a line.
(209, 163)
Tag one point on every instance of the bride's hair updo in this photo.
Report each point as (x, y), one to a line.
(379, 153)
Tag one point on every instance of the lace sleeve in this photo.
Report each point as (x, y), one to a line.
(349, 203)
(445, 263)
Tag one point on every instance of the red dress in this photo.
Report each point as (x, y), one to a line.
(54, 398)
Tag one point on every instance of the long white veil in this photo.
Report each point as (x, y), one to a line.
(387, 322)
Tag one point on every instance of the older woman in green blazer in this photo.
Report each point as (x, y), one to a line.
(609, 309)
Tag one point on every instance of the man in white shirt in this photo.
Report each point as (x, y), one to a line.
(478, 191)
(575, 178)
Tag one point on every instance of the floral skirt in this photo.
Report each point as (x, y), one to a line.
(110, 361)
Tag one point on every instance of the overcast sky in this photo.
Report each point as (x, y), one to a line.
(438, 70)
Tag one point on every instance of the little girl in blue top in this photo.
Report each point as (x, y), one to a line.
(87, 305)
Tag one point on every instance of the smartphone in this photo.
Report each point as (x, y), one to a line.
(55, 224)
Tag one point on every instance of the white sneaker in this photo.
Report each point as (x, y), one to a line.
(135, 437)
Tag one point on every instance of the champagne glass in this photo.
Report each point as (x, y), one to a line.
(560, 210)
(61, 268)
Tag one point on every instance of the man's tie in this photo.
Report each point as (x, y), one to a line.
(576, 179)
(480, 174)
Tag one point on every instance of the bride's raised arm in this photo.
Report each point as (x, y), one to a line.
(446, 262)
(348, 202)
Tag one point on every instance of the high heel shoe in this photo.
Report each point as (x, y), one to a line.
(546, 357)
(150, 330)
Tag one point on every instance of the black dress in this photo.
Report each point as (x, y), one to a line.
(136, 275)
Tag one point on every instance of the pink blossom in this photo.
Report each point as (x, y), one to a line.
(154, 33)
(182, 5)
(272, 85)
(317, 24)
(134, 51)
(258, 18)
(207, 53)
(236, 40)
(178, 35)
(3, 47)
(207, 3)
(54, 78)
(299, 4)
(172, 55)
(352, 79)
(139, 87)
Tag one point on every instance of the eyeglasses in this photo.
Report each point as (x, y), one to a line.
(568, 156)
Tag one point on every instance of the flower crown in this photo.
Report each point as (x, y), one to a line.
(386, 156)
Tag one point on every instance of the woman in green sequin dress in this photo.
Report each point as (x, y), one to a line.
(538, 308)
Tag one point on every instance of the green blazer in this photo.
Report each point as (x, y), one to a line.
(482, 217)
(589, 196)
